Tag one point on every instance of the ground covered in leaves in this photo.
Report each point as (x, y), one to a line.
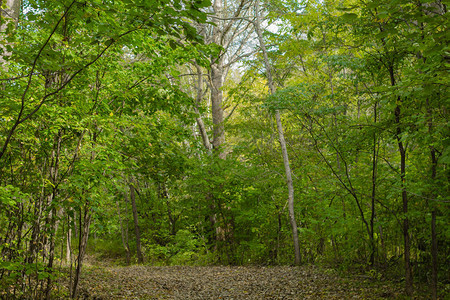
(222, 282)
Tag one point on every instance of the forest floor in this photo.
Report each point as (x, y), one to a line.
(105, 281)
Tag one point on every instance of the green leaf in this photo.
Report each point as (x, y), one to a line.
(349, 17)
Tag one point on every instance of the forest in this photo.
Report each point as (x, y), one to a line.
(276, 135)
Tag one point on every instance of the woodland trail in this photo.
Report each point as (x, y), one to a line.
(220, 282)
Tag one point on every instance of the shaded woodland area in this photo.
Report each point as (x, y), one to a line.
(234, 133)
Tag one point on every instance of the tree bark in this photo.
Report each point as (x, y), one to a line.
(124, 237)
(52, 218)
(434, 255)
(82, 244)
(9, 14)
(374, 185)
(434, 248)
(290, 185)
(406, 238)
(68, 243)
(217, 70)
(282, 140)
(402, 151)
(136, 225)
(200, 123)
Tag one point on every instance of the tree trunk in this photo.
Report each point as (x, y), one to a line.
(434, 255)
(282, 140)
(383, 245)
(402, 152)
(136, 225)
(374, 184)
(217, 74)
(200, 123)
(126, 247)
(407, 243)
(9, 14)
(434, 249)
(52, 218)
(216, 108)
(82, 244)
(68, 244)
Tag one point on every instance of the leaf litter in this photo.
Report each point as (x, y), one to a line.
(227, 282)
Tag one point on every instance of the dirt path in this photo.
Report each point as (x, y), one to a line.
(145, 282)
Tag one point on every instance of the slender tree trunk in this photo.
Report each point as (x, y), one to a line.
(82, 244)
(406, 238)
(51, 254)
(290, 185)
(402, 152)
(68, 243)
(434, 255)
(434, 248)
(206, 141)
(124, 240)
(282, 140)
(440, 8)
(374, 185)
(164, 194)
(200, 123)
(53, 215)
(136, 225)
(383, 244)
(279, 228)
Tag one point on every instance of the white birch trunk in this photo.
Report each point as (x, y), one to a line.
(9, 14)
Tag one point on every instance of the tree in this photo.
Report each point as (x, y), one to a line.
(282, 141)
(230, 33)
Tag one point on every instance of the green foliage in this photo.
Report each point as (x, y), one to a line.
(94, 99)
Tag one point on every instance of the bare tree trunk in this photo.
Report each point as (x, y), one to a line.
(53, 216)
(217, 73)
(290, 189)
(406, 238)
(136, 225)
(200, 123)
(383, 245)
(83, 239)
(216, 108)
(374, 185)
(434, 255)
(282, 140)
(124, 240)
(68, 243)
(434, 248)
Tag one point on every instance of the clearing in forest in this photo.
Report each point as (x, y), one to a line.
(220, 282)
